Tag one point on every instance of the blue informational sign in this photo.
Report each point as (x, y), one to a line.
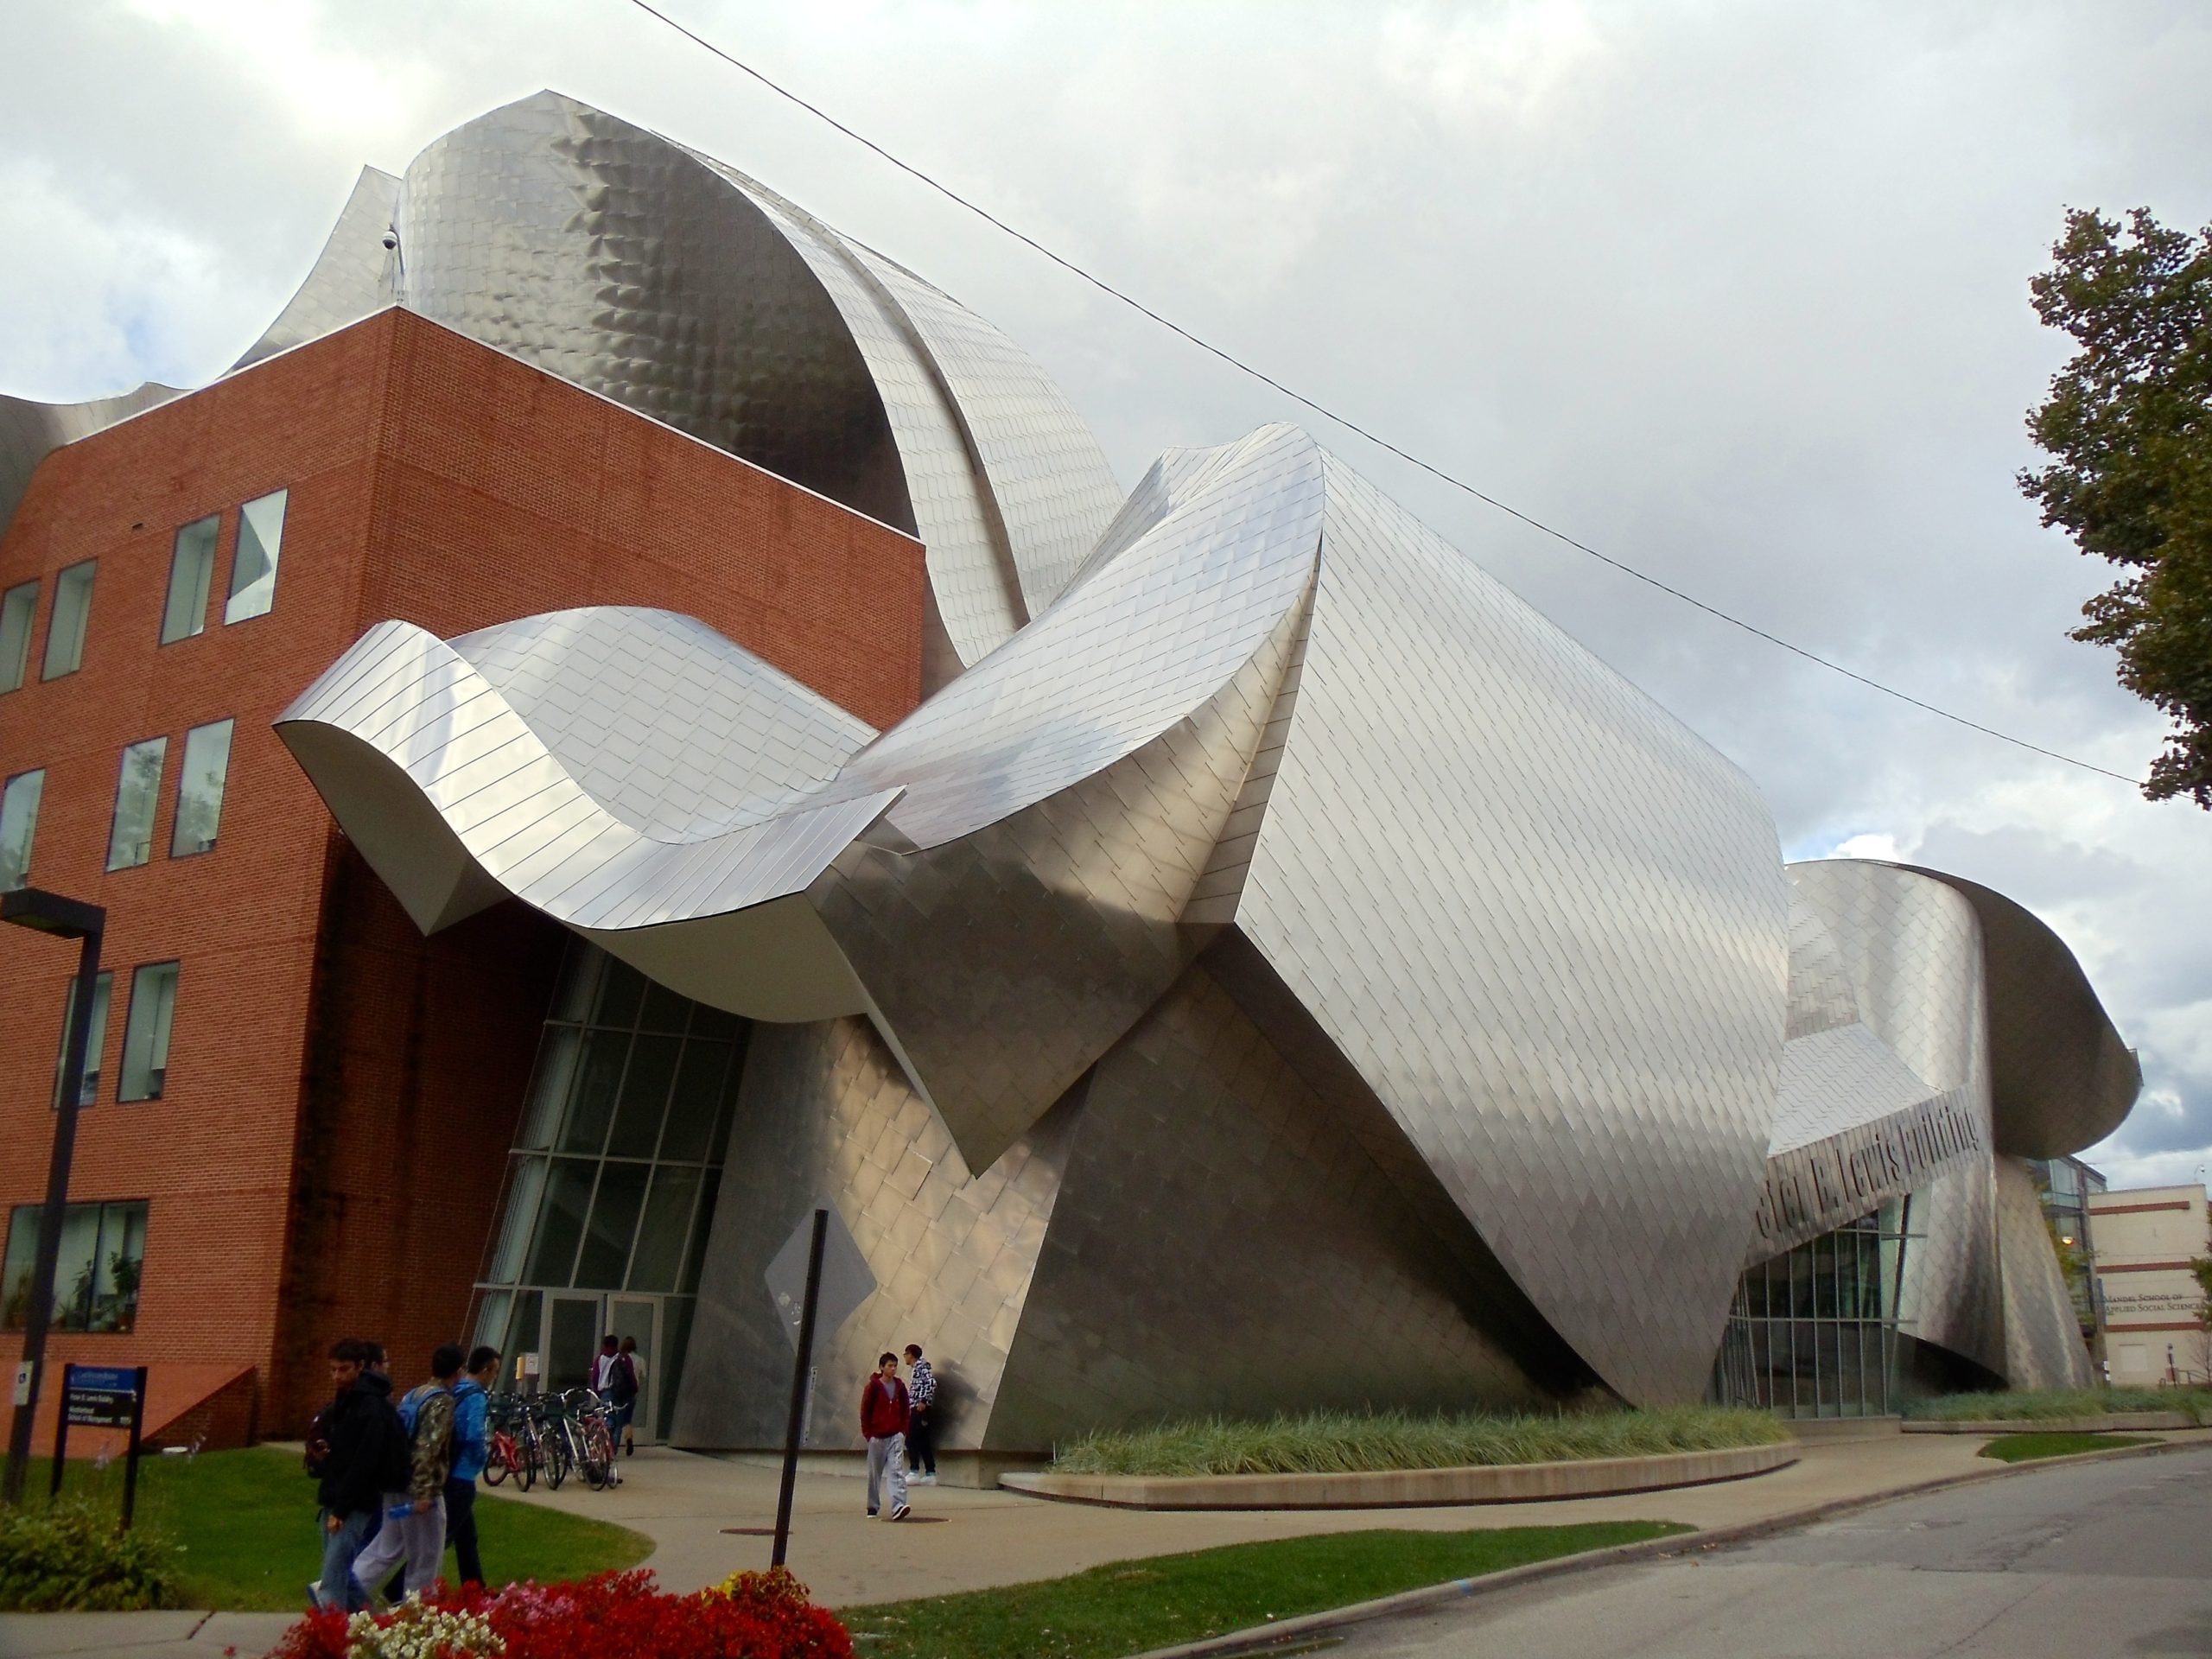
(113, 1379)
(100, 1396)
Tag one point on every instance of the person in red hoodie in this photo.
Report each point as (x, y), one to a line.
(883, 1421)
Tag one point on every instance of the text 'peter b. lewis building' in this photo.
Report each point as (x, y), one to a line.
(715, 739)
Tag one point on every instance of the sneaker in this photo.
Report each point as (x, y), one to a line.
(871, 1514)
(899, 1514)
(929, 1478)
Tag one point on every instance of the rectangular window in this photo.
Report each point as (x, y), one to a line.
(64, 629)
(95, 1276)
(138, 793)
(200, 788)
(253, 565)
(95, 1041)
(19, 827)
(192, 568)
(146, 1033)
(18, 609)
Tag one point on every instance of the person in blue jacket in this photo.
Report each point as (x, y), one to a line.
(471, 1442)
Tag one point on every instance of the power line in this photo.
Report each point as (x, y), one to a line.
(1354, 427)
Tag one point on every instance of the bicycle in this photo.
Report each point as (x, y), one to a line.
(549, 1436)
(585, 1416)
(513, 1449)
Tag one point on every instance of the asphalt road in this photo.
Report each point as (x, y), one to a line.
(2093, 1562)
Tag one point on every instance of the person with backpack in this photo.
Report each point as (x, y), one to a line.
(614, 1380)
(637, 1389)
(471, 1447)
(355, 1451)
(413, 1529)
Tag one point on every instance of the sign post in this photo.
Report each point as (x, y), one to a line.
(800, 1369)
(103, 1396)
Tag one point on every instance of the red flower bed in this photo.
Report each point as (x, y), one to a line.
(616, 1615)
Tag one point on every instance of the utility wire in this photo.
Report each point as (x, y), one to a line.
(1354, 427)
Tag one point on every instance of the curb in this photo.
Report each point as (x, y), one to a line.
(1259, 1639)
(1416, 1489)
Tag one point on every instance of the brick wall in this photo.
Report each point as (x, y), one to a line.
(341, 1091)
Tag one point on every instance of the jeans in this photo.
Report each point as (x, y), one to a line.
(921, 1441)
(886, 1452)
(460, 1529)
(418, 1540)
(336, 1587)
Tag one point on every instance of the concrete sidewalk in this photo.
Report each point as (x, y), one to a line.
(966, 1540)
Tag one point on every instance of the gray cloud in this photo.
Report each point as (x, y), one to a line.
(1737, 292)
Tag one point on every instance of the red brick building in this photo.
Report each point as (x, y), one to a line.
(330, 1096)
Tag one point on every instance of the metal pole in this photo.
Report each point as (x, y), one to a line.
(41, 1312)
(799, 1366)
(130, 1458)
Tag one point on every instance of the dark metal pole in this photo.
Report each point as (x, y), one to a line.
(130, 1458)
(41, 1312)
(799, 1368)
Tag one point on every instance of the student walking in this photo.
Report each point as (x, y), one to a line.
(471, 1446)
(413, 1529)
(637, 1364)
(921, 1419)
(883, 1421)
(356, 1451)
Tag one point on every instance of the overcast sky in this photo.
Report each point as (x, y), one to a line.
(1735, 292)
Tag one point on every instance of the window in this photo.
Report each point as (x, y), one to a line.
(253, 565)
(64, 629)
(18, 607)
(200, 788)
(137, 793)
(192, 568)
(146, 1034)
(95, 1276)
(95, 1041)
(19, 827)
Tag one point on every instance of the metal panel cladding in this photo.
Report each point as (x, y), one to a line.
(674, 284)
(1914, 951)
(1547, 924)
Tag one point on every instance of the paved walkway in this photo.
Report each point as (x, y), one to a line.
(965, 1540)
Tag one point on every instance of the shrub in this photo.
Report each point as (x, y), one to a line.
(1343, 1442)
(2036, 1405)
(612, 1616)
(71, 1559)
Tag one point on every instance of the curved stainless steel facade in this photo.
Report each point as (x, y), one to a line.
(670, 282)
(1277, 925)
(1284, 781)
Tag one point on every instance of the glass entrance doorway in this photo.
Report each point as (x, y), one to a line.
(611, 1186)
(569, 1343)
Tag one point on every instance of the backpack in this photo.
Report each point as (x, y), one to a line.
(621, 1381)
(410, 1408)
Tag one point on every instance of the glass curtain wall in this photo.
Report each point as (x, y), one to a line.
(611, 1184)
(1814, 1332)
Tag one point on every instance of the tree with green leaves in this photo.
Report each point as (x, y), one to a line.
(2129, 426)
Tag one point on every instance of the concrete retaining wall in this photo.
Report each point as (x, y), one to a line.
(1516, 1483)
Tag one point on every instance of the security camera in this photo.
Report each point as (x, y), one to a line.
(390, 240)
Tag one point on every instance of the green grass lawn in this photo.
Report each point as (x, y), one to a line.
(1128, 1607)
(2025, 1448)
(245, 1523)
(2026, 1405)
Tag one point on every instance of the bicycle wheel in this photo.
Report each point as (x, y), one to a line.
(495, 1461)
(598, 1459)
(558, 1459)
(528, 1459)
